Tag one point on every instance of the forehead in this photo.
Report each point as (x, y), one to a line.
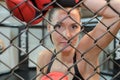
(70, 15)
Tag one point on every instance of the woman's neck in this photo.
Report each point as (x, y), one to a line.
(66, 56)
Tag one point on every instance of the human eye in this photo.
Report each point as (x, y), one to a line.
(74, 26)
(57, 26)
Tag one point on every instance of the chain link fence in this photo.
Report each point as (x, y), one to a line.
(23, 42)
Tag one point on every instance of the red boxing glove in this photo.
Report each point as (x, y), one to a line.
(40, 4)
(55, 76)
(25, 11)
(21, 9)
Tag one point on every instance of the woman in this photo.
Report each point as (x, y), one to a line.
(68, 51)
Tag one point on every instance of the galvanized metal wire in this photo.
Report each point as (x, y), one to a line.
(23, 28)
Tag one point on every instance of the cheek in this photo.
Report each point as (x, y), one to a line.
(55, 37)
(75, 40)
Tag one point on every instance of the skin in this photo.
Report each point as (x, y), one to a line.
(2, 44)
(68, 28)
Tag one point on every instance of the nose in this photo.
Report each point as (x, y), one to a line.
(67, 33)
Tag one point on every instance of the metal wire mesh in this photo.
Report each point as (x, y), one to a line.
(31, 39)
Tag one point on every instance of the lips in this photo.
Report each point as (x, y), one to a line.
(64, 43)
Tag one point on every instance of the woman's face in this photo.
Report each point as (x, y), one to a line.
(66, 28)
